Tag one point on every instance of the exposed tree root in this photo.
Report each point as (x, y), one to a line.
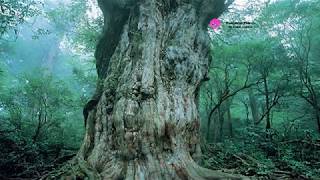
(182, 167)
(74, 169)
(146, 123)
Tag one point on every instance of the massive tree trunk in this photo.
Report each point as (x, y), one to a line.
(145, 124)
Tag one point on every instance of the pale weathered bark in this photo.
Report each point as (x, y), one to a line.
(146, 123)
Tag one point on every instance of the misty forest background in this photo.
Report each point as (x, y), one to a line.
(260, 107)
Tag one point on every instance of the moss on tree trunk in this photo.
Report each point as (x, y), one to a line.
(146, 123)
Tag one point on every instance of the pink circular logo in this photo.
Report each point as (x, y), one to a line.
(215, 23)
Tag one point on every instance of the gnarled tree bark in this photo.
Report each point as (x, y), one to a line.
(151, 60)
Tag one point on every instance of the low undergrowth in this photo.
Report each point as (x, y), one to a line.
(21, 158)
(279, 157)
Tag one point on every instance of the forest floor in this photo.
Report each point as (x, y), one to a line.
(20, 159)
(253, 155)
(250, 154)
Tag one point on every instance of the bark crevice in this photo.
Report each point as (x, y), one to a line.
(151, 60)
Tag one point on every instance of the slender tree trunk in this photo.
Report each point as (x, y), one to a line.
(39, 125)
(318, 118)
(246, 106)
(212, 131)
(253, 106)
(229, 118)
(219, 122)
(146, 123)
(267, 103)
(218, 125)
(316, 108)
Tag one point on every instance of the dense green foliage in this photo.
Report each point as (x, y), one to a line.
(39, 119)
(14, 12)
(43, 85)
(262, 99)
